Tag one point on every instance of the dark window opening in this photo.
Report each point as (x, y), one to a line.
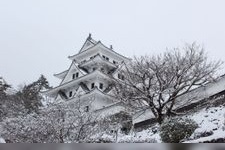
(121, 77)
(106, 58)
(94, 69)
(77, 74)
(70, 94)
(101, 86)
(86, 109)
(112, 131)
(114, 61)
(92, 85)
(83, 61)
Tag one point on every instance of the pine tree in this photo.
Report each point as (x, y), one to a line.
(30, 94)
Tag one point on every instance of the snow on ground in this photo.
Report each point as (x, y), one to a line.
(210, 121)
(216, 135)
(148, 135)
(2, 140)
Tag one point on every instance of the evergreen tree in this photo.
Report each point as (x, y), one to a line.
(30, 94)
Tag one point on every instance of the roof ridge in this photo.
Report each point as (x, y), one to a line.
(90, 39)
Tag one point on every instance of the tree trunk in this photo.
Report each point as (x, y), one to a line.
(160, 116)
(61, 136)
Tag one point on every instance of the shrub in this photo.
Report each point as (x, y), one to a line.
(173, 130)
(120, 120)
(137, 140)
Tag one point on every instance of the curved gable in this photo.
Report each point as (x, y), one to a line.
(71, 73)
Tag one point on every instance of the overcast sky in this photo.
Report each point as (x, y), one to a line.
(37, 36)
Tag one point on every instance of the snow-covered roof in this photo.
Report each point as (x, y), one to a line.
(71, 70)
(93, 74)
(98, 46)
(203, 92)
(96, 59)
(61, 75)
(88, 43)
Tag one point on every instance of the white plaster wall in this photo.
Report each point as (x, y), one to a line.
(110, 111)
(202, 92)
(100, 102)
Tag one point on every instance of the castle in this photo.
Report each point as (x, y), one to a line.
(89, 78)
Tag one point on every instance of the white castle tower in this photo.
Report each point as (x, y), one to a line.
(89, 78)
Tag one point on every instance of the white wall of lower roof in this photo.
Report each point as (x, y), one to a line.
(110, 111)
(202, 92)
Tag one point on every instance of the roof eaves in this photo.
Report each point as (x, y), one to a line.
(58, 74)
(71, 57)
(89, 39)
(75, 80)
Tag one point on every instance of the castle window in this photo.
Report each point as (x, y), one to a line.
(92, 85)
(77, 74)
(83, 61)
(102, 69)
(120, 76)
(94, 69)
(100, 85)
(114, 62)
(70, 94)
(86, 109)
(106, 58)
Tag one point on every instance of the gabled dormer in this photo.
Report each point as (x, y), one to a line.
(88, 52)
(73, 73)
(118, 74)
(88, 44)
(80, 91)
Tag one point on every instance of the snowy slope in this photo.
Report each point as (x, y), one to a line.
(210, 121)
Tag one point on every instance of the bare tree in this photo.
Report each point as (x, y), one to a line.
(156, 82)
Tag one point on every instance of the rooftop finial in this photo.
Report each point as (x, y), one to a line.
(111, 47)
(89, 36)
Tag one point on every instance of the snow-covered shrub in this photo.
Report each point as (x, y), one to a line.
(137, 140)
(119, 122)
(173, 130)
(101, 138)
(125, 120)
(59, 124)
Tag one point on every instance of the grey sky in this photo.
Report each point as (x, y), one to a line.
(37, 36)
